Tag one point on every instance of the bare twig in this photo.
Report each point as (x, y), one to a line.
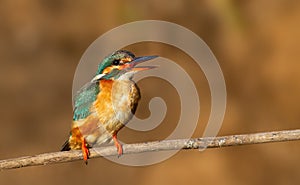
(197, 143)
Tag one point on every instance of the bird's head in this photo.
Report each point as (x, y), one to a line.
(121, 64)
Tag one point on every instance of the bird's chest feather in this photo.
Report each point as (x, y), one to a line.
(116, 103)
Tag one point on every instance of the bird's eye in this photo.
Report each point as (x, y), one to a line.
(116, 62)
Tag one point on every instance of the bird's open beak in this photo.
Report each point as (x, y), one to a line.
(139, 60)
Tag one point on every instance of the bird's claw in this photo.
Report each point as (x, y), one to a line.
(85, 151)
(118, 145)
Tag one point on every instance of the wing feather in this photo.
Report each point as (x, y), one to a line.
(84, 99)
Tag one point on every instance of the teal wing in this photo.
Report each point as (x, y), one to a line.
(84, 99)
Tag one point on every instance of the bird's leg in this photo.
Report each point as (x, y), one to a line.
(118, 145)
(85, 150)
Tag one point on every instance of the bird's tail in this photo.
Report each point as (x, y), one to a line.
(66, 146)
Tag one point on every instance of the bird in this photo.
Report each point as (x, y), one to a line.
(106, 104)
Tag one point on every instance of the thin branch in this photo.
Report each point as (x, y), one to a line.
(166, 145)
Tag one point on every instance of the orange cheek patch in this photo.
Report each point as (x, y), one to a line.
(109, 69)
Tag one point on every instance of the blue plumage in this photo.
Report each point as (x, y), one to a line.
(84, 100)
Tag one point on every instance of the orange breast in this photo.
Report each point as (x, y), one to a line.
(113, 108)
(103, 103)
(114, 103)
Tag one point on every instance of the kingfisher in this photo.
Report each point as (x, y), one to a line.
(106, 104)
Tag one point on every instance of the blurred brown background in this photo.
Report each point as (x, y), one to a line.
(257, 44)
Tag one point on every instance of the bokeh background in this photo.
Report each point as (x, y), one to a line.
(257, 44)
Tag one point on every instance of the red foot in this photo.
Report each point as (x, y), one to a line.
(118, 145)
(85, 151)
